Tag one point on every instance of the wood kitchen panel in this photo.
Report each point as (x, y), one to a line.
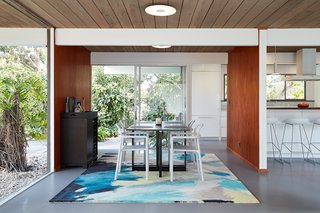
(72, 77)
(243, 104)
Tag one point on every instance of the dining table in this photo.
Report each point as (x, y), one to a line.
(166, 126)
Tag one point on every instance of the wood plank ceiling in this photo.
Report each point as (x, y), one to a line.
(190, 14)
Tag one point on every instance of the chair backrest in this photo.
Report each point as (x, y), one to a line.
(198, 128)
(121, 127)
(190, 124)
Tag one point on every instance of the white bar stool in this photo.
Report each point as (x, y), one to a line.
(271, 126)
(314, 143)
(300, 123)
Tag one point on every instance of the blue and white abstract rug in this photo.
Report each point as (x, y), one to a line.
(97, 185)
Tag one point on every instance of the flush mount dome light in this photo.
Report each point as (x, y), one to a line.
(161, 46)
(160, 10)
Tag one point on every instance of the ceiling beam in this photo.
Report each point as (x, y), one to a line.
(148, 37)
(293, 37)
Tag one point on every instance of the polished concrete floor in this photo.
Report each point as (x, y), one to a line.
(286, 188)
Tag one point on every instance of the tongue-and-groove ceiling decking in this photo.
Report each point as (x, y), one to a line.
(190, 14)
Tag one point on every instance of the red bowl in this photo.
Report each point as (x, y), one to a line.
(303, 105)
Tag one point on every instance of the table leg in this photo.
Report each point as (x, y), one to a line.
(132, 156)
(160, 154)
(185, 154)
(157, 149)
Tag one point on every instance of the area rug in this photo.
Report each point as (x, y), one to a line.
(97, 185)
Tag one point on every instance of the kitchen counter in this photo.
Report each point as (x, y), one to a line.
(292, 108)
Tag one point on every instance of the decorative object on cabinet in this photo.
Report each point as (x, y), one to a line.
(79, 136)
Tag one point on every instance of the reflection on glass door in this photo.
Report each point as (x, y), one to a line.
(161, 93)
(136, 93)
(23, 117)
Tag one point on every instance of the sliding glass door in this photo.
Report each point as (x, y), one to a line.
(161, 93)
(137, 93)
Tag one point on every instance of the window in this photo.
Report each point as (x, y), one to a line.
(225, 86)
(279, 89)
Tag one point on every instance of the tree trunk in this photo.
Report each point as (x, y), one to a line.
(13, 141)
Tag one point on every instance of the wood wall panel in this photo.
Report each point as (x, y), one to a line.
(243, 104)
(72, 77)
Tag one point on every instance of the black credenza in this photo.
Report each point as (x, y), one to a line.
(79, 137)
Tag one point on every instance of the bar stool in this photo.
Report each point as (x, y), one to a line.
(300, 123)
(271, 126)
(311, 143)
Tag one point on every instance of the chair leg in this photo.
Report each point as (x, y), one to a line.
(116, 172)
(200, 165)
(171, 160)
(118, 164)
(147, 160)
(196, 162)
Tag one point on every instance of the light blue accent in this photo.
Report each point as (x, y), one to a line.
(232, 184)
(223, 174)
(215, 164)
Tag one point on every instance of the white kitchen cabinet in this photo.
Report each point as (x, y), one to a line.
(211, 125)
(206, 104)
(223, 124)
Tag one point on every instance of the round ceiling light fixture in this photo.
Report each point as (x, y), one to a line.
(160, 10)
(161, 46)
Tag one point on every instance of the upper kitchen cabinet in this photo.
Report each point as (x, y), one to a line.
(206, 106)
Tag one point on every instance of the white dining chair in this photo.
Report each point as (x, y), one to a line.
(129, 146)
(193, 147)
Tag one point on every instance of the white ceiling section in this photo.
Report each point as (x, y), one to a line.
(293, 37)
(148, 37)
(23, 36)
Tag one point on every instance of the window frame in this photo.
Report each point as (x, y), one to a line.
(225, 76)
(285, 91)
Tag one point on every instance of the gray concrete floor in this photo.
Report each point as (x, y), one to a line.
(286, 188)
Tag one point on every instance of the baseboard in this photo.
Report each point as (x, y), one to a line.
(248, 162)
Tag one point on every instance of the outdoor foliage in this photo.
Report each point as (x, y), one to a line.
(23, 103)
(25, 67)
(112, 97)
(279, 89)
(163, 89)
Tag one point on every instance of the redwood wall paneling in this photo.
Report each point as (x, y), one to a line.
(72, 77)
(243, 104)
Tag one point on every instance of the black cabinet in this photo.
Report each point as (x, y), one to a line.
(79, 137)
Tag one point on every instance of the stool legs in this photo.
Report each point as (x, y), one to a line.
(312, 144)
(274, 142)
(304, 148)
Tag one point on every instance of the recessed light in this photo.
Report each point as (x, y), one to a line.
(161, 46)
(160, 10)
